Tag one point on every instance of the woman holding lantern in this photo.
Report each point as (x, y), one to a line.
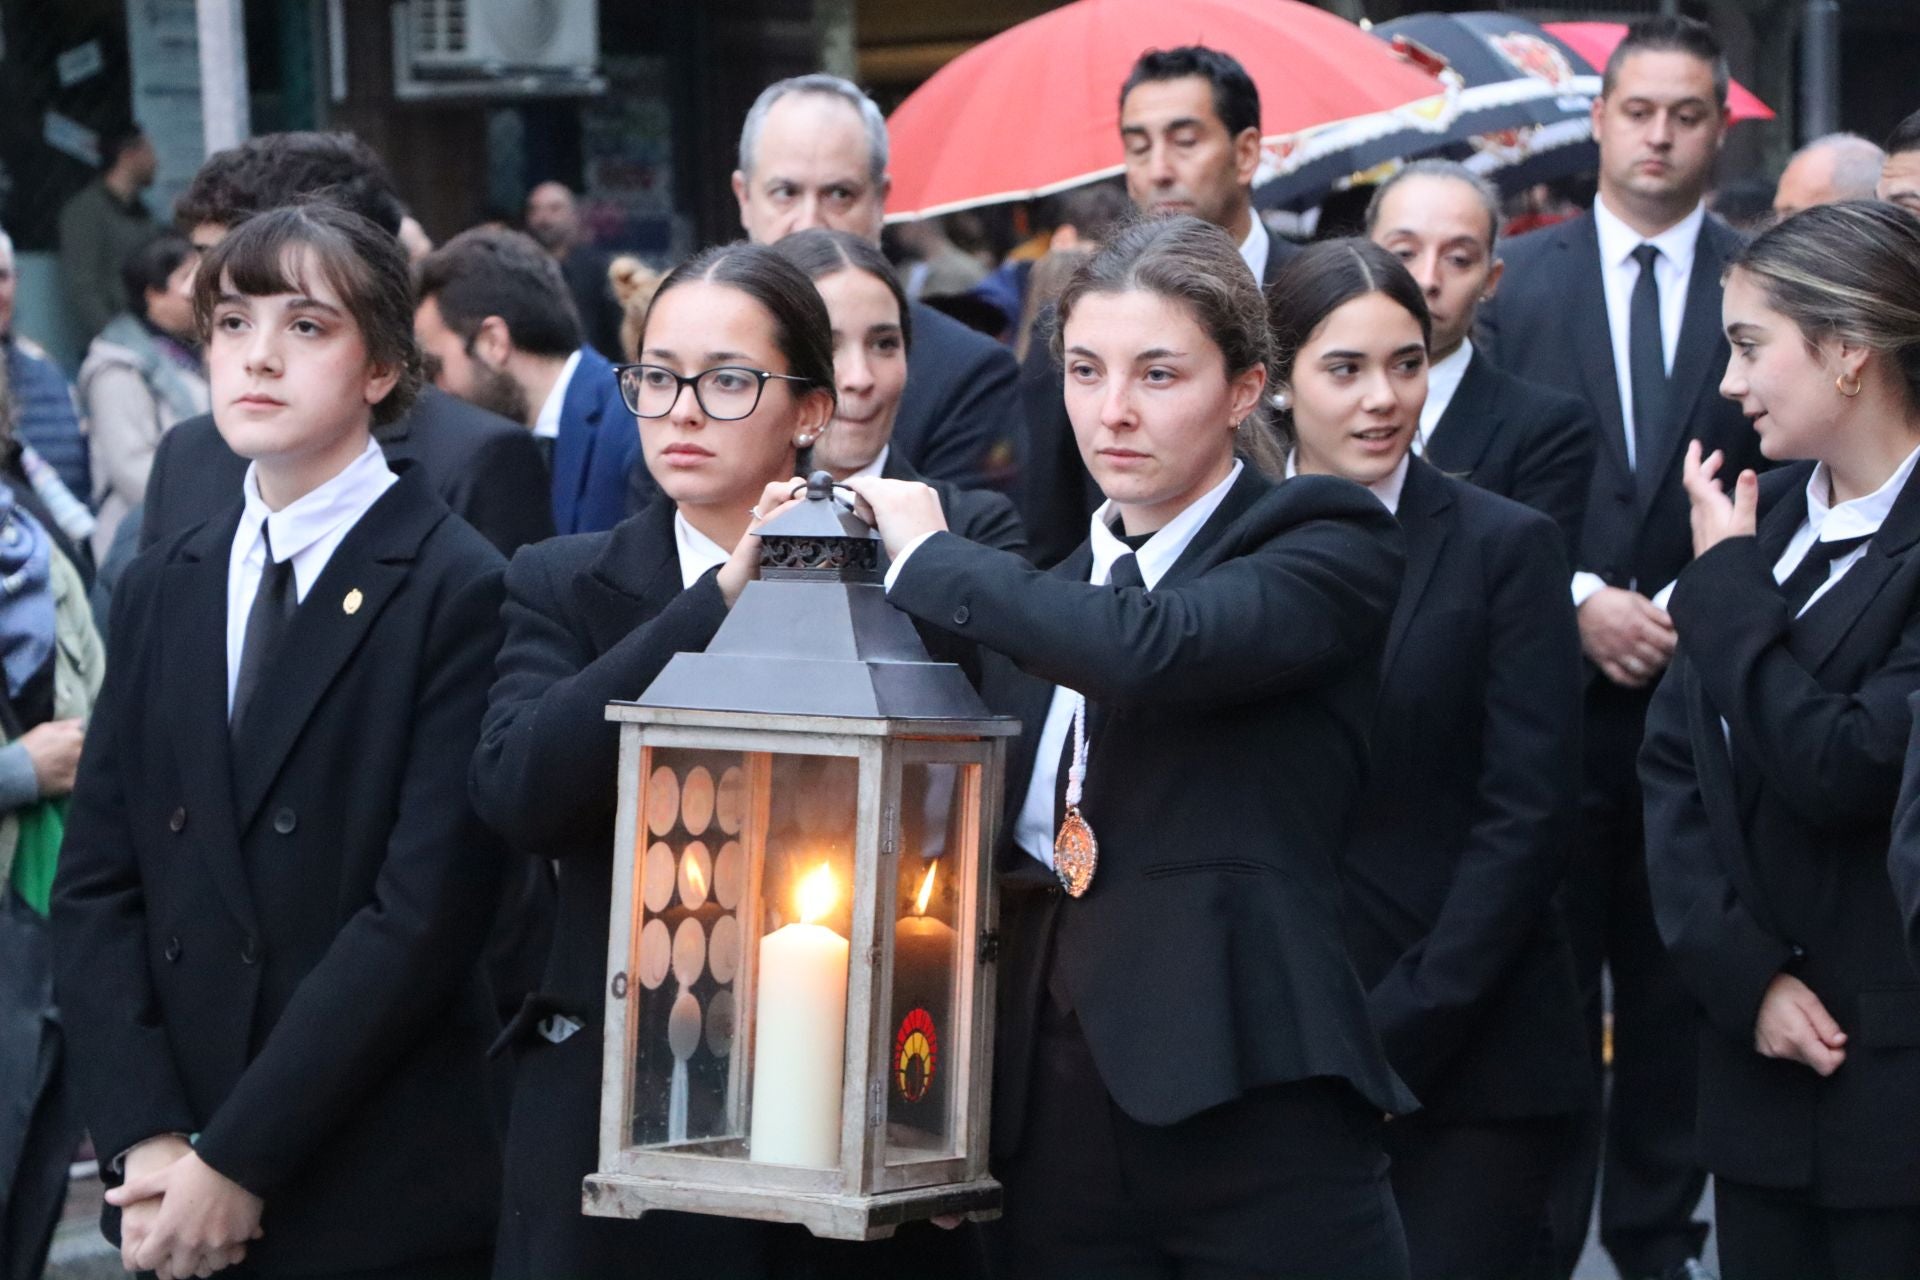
(736, 376)
(1186, 1078)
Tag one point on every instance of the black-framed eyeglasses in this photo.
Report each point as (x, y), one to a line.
(725, 394)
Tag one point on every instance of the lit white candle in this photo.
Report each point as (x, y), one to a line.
(800, 1026)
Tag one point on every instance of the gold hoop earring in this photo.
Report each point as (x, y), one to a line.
(1840, 385)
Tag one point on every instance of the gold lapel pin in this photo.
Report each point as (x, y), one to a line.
(353, 601)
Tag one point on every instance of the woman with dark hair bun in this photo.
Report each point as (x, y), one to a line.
(1460, 840)
(1772, 758)
(735, 373)
(1186, 1081)
(872, 333)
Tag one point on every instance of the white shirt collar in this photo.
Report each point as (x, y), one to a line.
(310, 519)
(1857, 517)
(874, 468)
(698, 552)
(1159, 552)
(548, 423)
(1387, 488)
(1443, 379)
(1253, 250)
(1618, 240)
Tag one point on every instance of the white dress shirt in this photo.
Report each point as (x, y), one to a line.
(1618, 274)
(698, 552)
(306, 531)
(1253, 250)
(1033, 829)
(548, 423)
(1387, 488)
(1443, 379)
(1858, 517)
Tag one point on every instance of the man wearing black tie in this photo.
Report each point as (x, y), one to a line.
(1624, 306)
(1190, 128)
(1518, 439)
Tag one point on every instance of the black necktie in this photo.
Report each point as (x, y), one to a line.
(1646, 368)
(545, 445)
(1814, 570)
(273, 606)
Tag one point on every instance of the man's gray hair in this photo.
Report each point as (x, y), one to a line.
(1488, 193)
(826, 86)
(1856, 163)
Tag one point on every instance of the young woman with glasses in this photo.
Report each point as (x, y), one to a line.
(735, 375)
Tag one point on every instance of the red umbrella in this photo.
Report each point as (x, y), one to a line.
(1036, 109)
(1596, 41)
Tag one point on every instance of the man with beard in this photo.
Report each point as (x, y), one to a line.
(553, 218)
(498, 329)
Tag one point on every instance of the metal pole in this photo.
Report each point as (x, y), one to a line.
(223, 73)
(1819, 69)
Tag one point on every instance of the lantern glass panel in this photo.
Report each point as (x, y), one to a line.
(743, 903)
(927, 1049)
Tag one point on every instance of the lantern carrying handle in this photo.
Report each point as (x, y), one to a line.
(820, 486)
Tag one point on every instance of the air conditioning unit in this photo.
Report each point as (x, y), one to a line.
(496, 47)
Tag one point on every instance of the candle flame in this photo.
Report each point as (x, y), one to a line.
(817, 894)
(696, 878)
(926, 890)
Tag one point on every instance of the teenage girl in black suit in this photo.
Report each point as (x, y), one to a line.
(1773, 752)
(1461, 840)
(872, 333)
(592, 618)
(1187, 1081)
(272, 897)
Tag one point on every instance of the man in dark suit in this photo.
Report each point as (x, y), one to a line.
(813, 153)
(553, 218)
(1518, 439)
(498, 329)
(482, 466)
(1190, 129)
(1624, 305)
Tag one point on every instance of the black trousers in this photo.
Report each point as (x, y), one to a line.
(1473, 1196)
(1286, 1182)
(472, 1266)
(40, 1125)
(1769, 1234)
(1640, 1142)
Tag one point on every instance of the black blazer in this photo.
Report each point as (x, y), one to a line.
(487, 469)
(1206, 960)
(978, 515)
(1520, 440)
(1770, 854)
(274, 944)
(1462, 835)
(1548, 324)
(960, 405)
(1056, 495)
(590, 618)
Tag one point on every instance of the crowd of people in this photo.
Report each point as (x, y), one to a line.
(1486, 665)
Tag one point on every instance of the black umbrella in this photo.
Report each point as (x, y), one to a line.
(1510, 80)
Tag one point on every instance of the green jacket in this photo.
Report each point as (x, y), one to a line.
(79, 663)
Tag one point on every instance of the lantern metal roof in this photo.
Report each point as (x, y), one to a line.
(814, 634)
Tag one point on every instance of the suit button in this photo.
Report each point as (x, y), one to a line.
(961, 615)
(1799, 952)
(284, 822)
(250, 951)
(177, 821)
(173, 950)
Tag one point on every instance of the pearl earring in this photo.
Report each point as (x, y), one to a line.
(804, 440)
(1282, 401)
